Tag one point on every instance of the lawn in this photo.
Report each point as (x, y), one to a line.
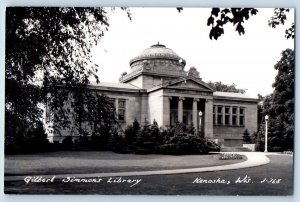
(98, 162)
(280, 167)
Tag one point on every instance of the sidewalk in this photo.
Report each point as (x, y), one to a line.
(253, 159)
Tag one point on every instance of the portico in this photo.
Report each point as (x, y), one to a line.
(186, 110)
(178, 106)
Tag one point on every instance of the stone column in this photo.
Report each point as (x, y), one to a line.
(166, 110)
(208, 118)
(180, 109)
(144, 109)
(195, 114)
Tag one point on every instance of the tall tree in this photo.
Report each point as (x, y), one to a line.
(48, 53)
(283, 98)
(280, 105)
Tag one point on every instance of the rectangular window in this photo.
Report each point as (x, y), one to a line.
(219, 119)
(112, 106)
(227, 110)
(234, 110)
(121, 104)
(121, 109)
(234, 116)
(234, 120)
(242, 111)
(242, 116)
(112, 103)
(121, 114)
(226, 119)
(227, 115)
(241, 120)
(219, 115)
(219, 109)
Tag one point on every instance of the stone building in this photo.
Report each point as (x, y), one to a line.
(158, 87)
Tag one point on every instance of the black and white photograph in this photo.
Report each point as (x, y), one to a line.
(149, 101)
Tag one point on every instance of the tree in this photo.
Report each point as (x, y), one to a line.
(48, 53)
(132, 131)
(219, 86)
(237, 17)
(283, 98)
(280, 105)
(278, 18)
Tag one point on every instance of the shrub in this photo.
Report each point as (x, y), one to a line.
(173, 140)
(67, 143)
(118, 144)
(246, 137)
(132, 131)
(230, 156)
(82, 143)
(186, 143)
(31, 141)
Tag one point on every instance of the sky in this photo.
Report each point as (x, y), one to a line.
(247, 60)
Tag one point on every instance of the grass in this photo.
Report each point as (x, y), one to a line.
(280, 167)
(98, 162)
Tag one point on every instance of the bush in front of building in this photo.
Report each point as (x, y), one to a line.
(246, 137)
(132, 131)
(175, 140)
(32, 140)
(67, 143)
(182, 140)
(146, 139)
(186, 143)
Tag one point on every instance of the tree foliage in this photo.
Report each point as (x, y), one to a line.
(48, 56)
(280, 105)
(236, 16)
(219, 86)
(280, 17)
(219, 17)
(283, 98)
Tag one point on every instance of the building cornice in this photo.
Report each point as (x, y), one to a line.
(224, 98)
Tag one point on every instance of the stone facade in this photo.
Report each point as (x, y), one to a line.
(245, 112)
(158, 88)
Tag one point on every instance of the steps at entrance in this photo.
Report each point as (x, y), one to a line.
(235, 149)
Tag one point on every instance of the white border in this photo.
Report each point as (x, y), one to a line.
(150, 3)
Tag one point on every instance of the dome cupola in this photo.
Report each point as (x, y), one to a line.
(158, 62)
(158, 52)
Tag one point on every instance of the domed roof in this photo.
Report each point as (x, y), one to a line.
(157, 51)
